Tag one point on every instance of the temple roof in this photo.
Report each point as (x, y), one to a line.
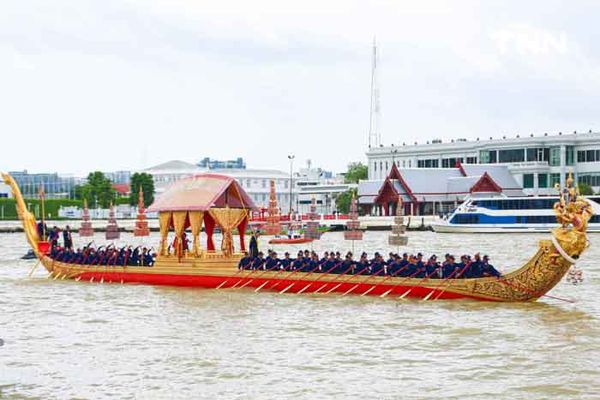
(439, 184)
(202, 192)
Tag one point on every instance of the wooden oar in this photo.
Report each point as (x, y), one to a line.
(417, 285)
(309, 273)
(34, 267)
(291, 274)
(231, 277)
(382, 282)
(391, 276)
(251, 273)
(362, 283)
(450, 279)
(322, 276)
(344, 281)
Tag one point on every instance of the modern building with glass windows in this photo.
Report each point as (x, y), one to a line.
(536, 162)
(55, 186)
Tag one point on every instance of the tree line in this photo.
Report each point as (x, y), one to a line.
(99, 190)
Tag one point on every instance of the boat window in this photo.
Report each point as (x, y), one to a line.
(465, 219)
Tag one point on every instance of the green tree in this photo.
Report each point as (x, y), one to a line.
(585, 189)
(98, 190)
(147, 183)
(356, 172)
(343, 201)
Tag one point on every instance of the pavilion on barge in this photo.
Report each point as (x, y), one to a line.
(206, 199)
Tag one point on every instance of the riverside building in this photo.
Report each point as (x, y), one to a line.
(537, 162)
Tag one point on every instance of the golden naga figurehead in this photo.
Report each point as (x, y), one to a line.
(573, 213)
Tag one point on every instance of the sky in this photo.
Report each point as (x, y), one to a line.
(122, 85)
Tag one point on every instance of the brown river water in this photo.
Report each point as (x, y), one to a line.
(64, 339)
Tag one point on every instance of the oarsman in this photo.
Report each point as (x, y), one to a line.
(268, 257)
(462, 266)
(330, 263)
(298, 263)
(487, 269)
(391, 259)
(346, 266)
(312, 264)
(378, 266)
(474, 269)
(362, 267)
(245, 261)
(306, 256)
(394, 267)
(272, 264)
(420, 264)
(325, 258)
(375, 256)
(449, 268)
(286, 262)
(258, 262)
(432, 267)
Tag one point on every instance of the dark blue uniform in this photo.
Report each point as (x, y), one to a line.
(272, 264)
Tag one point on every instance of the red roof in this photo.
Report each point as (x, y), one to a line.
(122, 188)
(486, 184)
(202, 192)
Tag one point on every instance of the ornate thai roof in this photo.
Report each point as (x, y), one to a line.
(202, 192)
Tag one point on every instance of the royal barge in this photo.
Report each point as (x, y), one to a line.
(212, 200)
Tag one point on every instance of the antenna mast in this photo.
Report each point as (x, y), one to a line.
(374, 133)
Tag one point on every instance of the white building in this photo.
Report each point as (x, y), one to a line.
(256, 182)
(536, 162)
(321, 185)
(5, 191)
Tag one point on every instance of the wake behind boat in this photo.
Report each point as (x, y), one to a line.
(216, 200)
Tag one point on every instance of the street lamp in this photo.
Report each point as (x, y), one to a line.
(291, 158)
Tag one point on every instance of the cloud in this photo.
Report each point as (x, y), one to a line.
(259, 79)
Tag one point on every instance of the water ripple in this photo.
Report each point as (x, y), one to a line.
(69, 340)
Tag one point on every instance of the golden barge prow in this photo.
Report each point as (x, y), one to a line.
(217, 200)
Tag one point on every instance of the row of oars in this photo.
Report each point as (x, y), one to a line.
(344, 277)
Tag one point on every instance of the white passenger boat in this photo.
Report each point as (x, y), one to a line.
(509, 214)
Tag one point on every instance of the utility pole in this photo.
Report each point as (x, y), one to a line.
(291, 158)
(374, 133)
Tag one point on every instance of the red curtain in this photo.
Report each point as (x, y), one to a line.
(209, 228)
(242, 230)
